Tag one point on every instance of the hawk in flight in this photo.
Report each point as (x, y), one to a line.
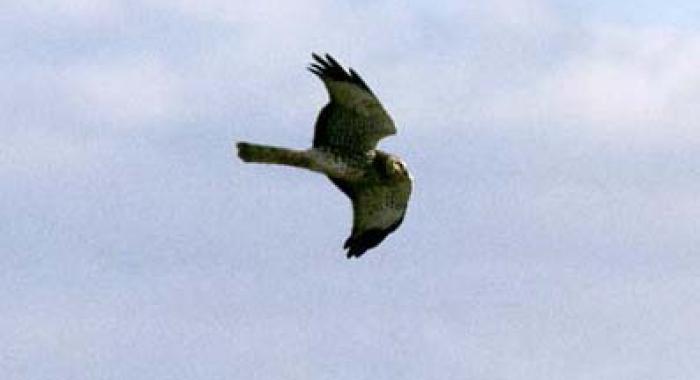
(346, 134)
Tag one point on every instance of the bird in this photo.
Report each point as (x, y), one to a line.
(344, 148)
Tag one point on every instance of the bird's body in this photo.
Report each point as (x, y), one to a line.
(344, 149)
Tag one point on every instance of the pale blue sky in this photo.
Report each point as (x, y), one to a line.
(552, 234)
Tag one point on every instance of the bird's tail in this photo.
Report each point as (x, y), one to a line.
(265, 154)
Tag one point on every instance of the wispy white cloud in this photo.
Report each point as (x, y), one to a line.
(622, 84)
(54, 116)
(35, 152)
(79, 14)
(123, 92)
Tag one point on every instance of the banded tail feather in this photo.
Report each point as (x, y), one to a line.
(266, 154)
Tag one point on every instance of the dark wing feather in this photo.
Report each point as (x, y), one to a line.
(330, 69)
(345, 186)
(377, 211)
(354, 120)
(358, 245)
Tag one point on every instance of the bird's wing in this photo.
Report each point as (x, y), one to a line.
(377, 211)
(354, 119)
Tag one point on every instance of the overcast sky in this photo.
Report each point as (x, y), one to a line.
(553, 231)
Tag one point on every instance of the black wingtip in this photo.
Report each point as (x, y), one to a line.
(332, 60)
(314, 70)
(322, 62)
(356, 252)
(327, 67)
(358, 244)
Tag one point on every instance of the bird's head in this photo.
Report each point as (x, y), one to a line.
(397, 168)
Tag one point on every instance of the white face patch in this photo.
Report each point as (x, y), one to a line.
(398, 167)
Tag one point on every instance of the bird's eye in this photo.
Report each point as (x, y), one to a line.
(399, 168)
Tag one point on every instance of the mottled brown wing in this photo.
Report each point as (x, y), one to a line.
(377, 211)
(354, 120)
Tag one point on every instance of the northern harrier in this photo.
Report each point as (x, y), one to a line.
(346, 134)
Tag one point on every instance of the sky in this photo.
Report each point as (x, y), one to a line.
(552, 232)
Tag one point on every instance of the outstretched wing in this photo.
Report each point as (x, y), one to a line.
(377, 212)
(354, 119)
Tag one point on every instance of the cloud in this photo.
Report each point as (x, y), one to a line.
(62, 116)
(133, 91)
(485, 62)
(34, 152)
(45, 15)
(621, 84)
(245, 14)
